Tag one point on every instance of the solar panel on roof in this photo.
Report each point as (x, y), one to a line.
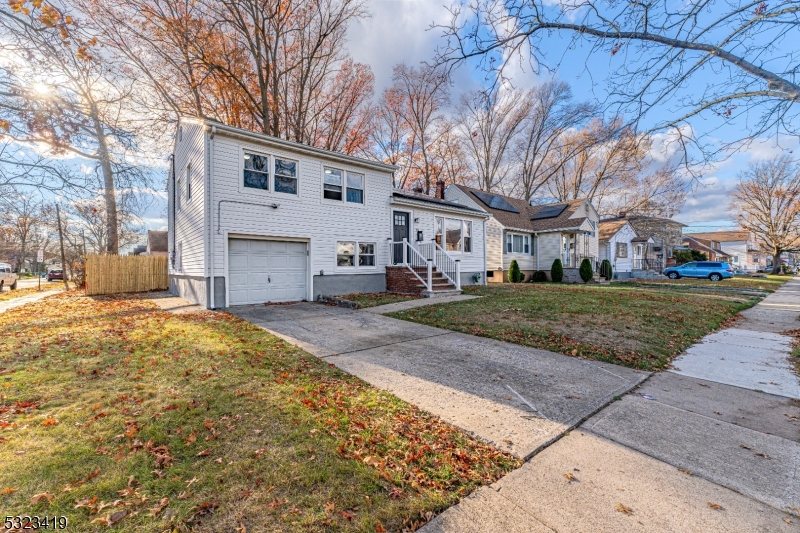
(495, 202)
(551, 211)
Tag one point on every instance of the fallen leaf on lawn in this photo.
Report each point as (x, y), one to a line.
(347, 515)
(204, 453)
(624, 509)
(8, 490)
(209, 424)
(155, 511)
(329, 507)
(100, 520)
(240, 529)
(715, 506)
(787, 520)
(116, 517)
(49, 422)
(379, 528)
(93, 474)
(570, 476)
(39, 498)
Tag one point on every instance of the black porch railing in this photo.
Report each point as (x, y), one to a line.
(644, 263)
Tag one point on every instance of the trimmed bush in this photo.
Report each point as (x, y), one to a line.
(586, 271)
(514, 274)
(606, 270)
(539, 276)
(557, 271)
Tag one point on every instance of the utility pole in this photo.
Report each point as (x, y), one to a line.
(61, 242)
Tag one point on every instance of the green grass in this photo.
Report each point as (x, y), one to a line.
(380, 298)
(770, 283)
(621, 324)
(112, 410)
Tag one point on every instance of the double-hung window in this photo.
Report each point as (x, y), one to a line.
(518, 244)
(452, 238)
(259, 168)
(285, 176)
(355, 188)
(332, 184)
(351, 254)
(343, 186)
(256, 171)
(622, 250)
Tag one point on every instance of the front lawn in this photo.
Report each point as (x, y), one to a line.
(379, 298)
(770, 283)
(616, 323)
(115, 413)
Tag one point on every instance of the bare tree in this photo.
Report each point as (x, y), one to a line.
(767, 200)
(391, 139)
(542, 147)
(425, 93)
(489, 121)
(21, 216)
(80, 109)
(659, 193)
(725, 59)
(597, 161)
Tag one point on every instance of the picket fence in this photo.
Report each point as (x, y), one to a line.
(112, 274)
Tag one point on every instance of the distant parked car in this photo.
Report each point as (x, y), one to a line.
(55, 274)
(7, 277)
(712, 270)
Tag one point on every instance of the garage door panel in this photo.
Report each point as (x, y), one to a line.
(266, 271)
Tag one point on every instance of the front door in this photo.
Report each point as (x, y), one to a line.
(400, 232)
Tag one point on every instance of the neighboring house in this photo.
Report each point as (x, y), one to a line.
(157, 243)
(254, 219)
(739, 245)
(710, 247)
(624, 249)
(666, 235)
(534, 236)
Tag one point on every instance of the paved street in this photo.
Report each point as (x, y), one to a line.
(712, 445)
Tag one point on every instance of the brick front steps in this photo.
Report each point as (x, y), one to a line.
(399, 279)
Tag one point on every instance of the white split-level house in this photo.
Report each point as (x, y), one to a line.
(254, 219)
(533, 235)
(623, 247)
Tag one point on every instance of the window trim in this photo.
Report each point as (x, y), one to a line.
(357, 243)
(188, 182)
(345, 174)
(178, 192)
(527, 242)
(464, 222)
(621, 245)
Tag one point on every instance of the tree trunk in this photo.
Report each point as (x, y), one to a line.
(61, 243)
(109, 188)
(776, 262)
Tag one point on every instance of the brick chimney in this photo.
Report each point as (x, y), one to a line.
(440, 189)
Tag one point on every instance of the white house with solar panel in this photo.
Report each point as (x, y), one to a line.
(255, 219)
(533, 235)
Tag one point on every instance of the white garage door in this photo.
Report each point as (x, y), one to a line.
(266, 271)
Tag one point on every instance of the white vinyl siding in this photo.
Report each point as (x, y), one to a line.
(189, 228)
(494, 245)
(623, 238)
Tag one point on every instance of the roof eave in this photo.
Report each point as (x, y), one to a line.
(400, 200)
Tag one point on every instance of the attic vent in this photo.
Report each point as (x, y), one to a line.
(549, 211)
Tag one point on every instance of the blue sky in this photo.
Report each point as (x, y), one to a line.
(399, 31)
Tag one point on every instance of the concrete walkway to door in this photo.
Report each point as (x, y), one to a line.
(519, 399)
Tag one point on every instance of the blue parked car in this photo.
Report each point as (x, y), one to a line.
(712, 270)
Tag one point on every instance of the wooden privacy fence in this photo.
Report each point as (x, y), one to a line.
(111, 274)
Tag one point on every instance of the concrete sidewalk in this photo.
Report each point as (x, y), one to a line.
(23, 300)
(519, 399)
(703, 435)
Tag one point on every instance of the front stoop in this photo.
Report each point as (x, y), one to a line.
(400, 280)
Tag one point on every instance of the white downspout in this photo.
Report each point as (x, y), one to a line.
(210, 162)
(536, 238)
(485, 280)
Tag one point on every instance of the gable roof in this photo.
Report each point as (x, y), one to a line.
(522, 219)
(157, 240)
(698, 244)
(723, 236)
(608, 228)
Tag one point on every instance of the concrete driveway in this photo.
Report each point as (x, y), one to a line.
(519, 399)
